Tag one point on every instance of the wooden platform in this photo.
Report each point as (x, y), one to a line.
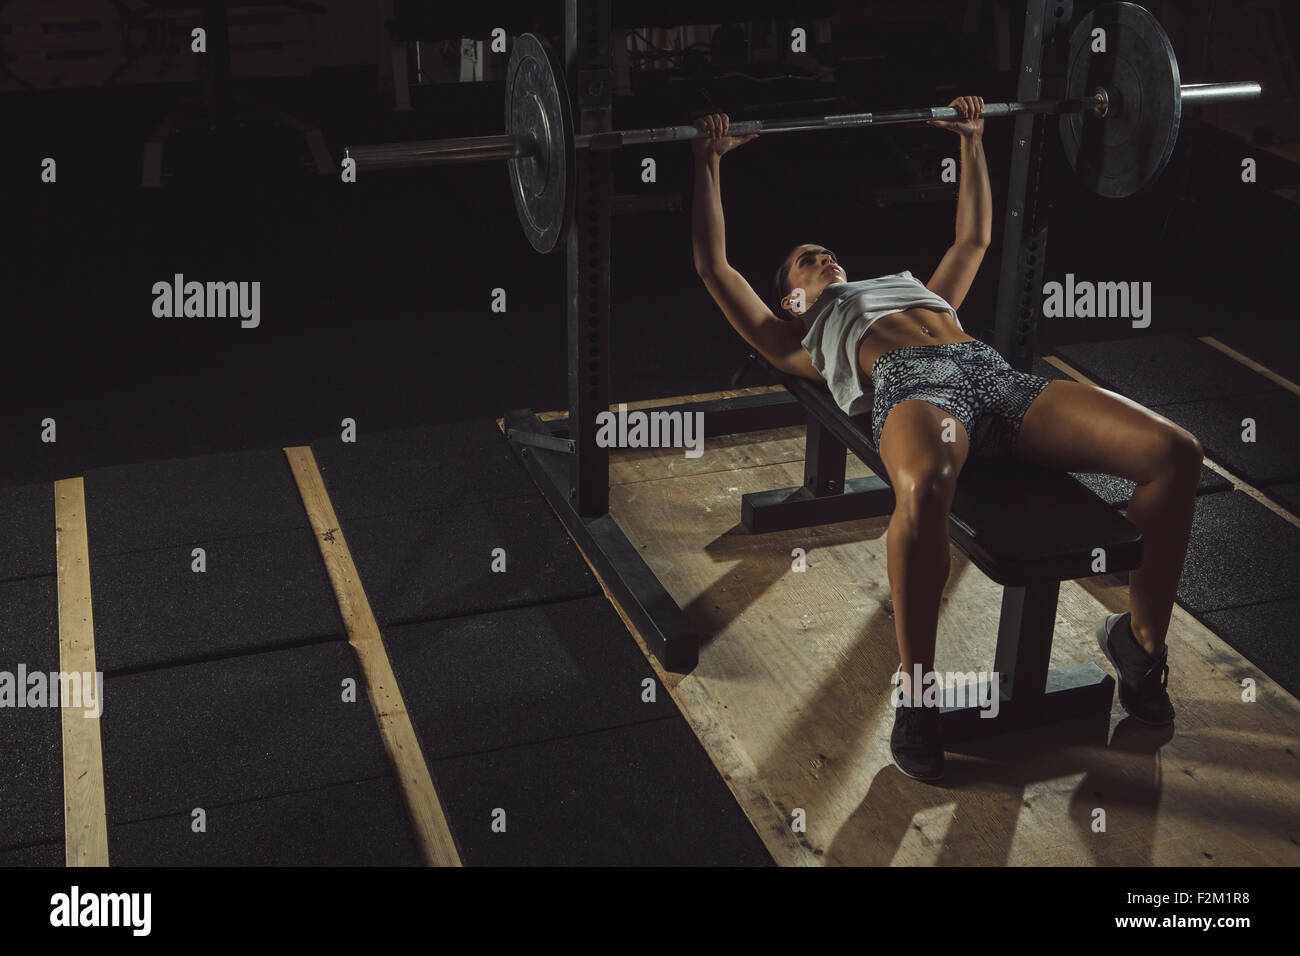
(790, 696)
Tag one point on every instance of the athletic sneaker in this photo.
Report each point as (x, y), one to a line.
(1143, 679)
(916, 743)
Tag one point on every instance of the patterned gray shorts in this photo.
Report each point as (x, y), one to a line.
(970, 380)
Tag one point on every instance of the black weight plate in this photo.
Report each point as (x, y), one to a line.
(537, 105)
(1118, 155)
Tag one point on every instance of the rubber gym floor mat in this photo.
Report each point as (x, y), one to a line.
(178, 502)
(1117, 492)
(358, 823)
(521, 676)
(464, 560)
(1287, 495)
(27, 529)
(1273, 345)
(1046, 369)
(641, 795)
(1272, 457)
(418, 469)
(237, 729)
(1266, 635)
(40, 854)
(552, 716)
(256, 593)
(31, 781)
(1240, 553)
(1163, 369)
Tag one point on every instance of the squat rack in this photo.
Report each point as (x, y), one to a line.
(563, 456)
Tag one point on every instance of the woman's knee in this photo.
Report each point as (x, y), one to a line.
(1178, 453)
(925, 490)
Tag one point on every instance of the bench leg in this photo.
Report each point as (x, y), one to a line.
(824, 461)
(1029, 692)
(824, 497)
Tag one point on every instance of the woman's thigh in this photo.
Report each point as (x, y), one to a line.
(922, 444)
(1076, 427)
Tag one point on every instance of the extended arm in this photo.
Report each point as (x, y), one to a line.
(956, 271)
(708, 229)
(781, 343)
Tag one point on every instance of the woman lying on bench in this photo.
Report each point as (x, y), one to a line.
(941, 395)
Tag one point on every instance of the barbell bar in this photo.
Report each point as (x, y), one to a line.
(1200, 93)
(1132, 92)
(474, 149)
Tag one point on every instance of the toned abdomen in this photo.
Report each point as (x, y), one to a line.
(902, 329)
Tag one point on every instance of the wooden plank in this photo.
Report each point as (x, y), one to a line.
(790, 701)
(721, 452)
(790, 698)
(400, 741)
(85, 819)
(674, 400)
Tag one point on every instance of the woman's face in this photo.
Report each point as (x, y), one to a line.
(812, 268)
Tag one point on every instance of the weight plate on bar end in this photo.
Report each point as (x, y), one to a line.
(537, 105)
(1119, 155)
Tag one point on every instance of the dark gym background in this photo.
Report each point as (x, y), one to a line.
(376, 296)
(376, 306)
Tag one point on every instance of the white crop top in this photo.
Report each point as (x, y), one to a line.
(842, 315)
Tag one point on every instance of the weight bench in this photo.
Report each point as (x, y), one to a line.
(1028, 528)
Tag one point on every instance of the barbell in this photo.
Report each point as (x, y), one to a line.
(1119, 120)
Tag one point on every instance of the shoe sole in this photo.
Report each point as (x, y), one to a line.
(907, 773)
(938, 776)
(1103, 641)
